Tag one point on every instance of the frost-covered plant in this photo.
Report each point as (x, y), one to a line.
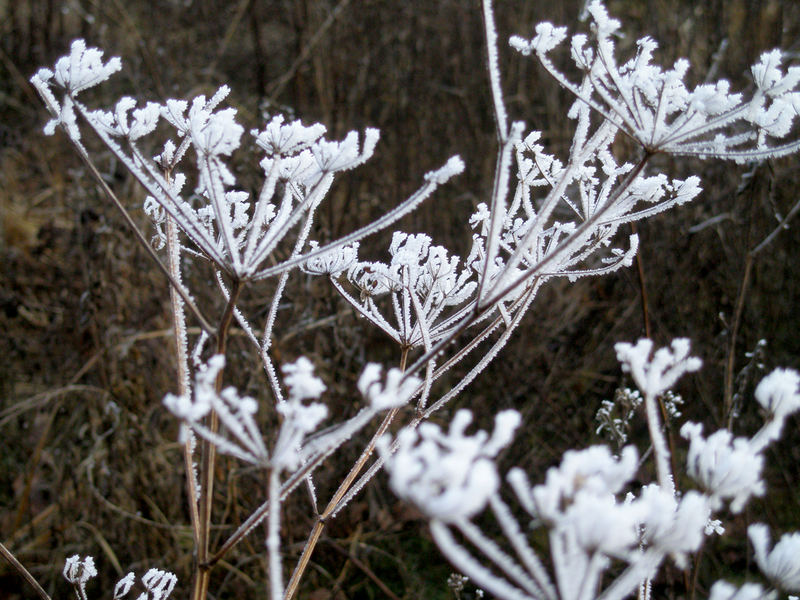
(157, 584)
(593, 515)
(546, 217)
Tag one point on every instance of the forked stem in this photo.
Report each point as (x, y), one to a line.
(344, 487)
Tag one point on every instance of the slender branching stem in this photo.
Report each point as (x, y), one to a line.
(660, 448)
(145, 244)
(319, 526)
(273, 536)
(208, 458)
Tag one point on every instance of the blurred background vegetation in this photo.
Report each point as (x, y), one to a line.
(89, 462)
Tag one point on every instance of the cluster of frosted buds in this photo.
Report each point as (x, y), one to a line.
(78, 572)
(158, 584)
(779, 395)
(730, 468)
(578, 499)
(396, 391)
(243, 439)
(655, 107)
(589, 524)
(237, 232)
(655, 373)
(726, 468)
(299, 419)
(422, 280)
(448, 476)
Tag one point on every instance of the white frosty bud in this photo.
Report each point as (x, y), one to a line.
(123, 586)
(722, 590)
(396, 392)
(78, 571)
(333, 263)
(301, 381)
(82, 69)
(159, 584)
(781, 564)
(449, 476)
(344, 155)
(656, 373)
(454, 166)
(290, 138)
(779, 392)
(727, 468)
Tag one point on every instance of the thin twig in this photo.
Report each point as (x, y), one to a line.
(20, 568)
(319, 526)
(367, 571)
(208, 460)
(277, 87)
(642, 289)
(144, 243)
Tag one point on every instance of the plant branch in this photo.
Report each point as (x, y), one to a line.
(208, 458)
(319, 526)
(20, 568)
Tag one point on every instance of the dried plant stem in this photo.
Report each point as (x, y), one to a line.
(143, 242)
(319, 526)
(20, 568)
(739, 309)
(643, 289)
(367, 571)
(182, 359)
(209, 458)
(737, 320)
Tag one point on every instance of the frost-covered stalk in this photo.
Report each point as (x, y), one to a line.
(273, 537)
(237, 234)
(342, 494)
(654, 376)
(169, 238)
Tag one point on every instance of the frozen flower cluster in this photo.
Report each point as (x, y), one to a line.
(158, 584)
(655, 107)
(593, 513)
(449, 476)
(237, 232)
